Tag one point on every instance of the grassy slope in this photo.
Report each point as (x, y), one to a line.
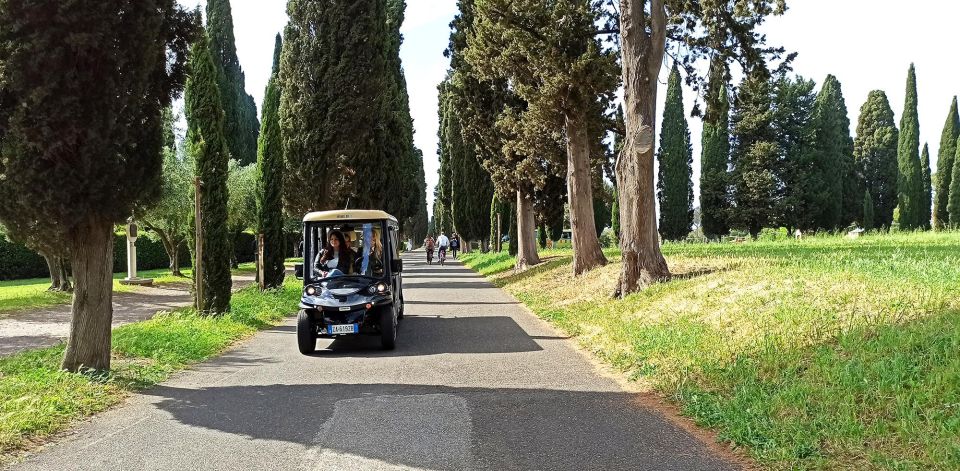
(825, 353)
(30, 294)
(37, 399)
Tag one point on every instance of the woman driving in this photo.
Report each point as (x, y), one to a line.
(336, 258)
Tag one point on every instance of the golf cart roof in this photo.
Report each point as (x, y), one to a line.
(348, 215)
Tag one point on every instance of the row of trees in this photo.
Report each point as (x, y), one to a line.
(86, 137)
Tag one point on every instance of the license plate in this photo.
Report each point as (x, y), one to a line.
(343, 329)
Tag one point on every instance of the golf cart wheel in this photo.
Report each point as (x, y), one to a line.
(306, 333)
(388, 327)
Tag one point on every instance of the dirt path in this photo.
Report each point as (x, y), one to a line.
(48, 326)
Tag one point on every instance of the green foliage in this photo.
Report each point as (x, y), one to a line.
(945, 159)
(832, 158)
(875, 153)
(470, 188)
(868, 211)
(675, 172)
(953, 205)
(615, 214)
(335, 106)
(754, 156)
(927, 186)
(715, 157)
(269, 181)
(38, 399)
(81, 125)
(241, 127)
(513, 247)
(806, 186)
(910, 179)
(208, 148)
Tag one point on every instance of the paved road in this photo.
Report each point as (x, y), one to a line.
(476, 382)
(49, 326)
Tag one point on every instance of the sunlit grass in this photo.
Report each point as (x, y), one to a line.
(37, 399)
(822, 353)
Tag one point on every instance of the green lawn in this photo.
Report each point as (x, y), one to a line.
(37, 399)
(30, 294)
(825, 353)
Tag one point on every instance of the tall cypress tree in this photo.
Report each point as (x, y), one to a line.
(953, 201)
(335, 82)
(806, 189)
(208, 147)
(910, 180)
(675, 184)
(240, 110)
(945, 156)
(832, 149)
(867, 211)
(715, 158)
(754, 154)
(270, 180)
(875, 153)
(926, 206)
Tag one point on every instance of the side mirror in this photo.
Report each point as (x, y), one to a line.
(298, 271)
(396, 265)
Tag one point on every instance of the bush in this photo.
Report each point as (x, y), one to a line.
(17, 261)
(608, 239)
(773, 235)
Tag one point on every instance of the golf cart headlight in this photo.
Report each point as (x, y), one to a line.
(311, 291)
(381, 288)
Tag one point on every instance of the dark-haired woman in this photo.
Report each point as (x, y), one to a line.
(336, 258)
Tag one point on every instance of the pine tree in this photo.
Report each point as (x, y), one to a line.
(334, 105)
(675, 156)
(270, 180)
(867, 211)
(715, 157)
(208, 148)
(240, 110)
(910, 180)
(945, 157)
(927, 186)
(875, 153)
(754, 154)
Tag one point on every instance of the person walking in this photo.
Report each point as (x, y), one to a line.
(443, 243)
(454, 244)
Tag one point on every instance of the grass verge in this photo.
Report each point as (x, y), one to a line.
(819, 354)
(37, 399)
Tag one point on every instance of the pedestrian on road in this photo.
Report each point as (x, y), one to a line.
(454, 244)
(409, 245)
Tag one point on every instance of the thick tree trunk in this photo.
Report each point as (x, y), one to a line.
(643, 263)
(64, 276)
(88, 346)
(527, 255)
(586, 246)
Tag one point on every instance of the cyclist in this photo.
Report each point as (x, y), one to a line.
(442, 244)
(428, 245)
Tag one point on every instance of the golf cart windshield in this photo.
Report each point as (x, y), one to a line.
(348, 249)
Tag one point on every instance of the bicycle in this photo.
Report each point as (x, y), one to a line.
(442, 255)
(429, 256)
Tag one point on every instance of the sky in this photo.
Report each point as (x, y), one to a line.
(866, 44)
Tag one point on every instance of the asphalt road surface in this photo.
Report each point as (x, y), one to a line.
(476, 383)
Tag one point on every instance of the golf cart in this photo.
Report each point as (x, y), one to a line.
(363, 296)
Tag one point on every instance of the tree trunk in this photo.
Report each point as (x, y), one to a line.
(586, 246)
(175, 261)
(54, 271)
(88, 346)
(526, 233)
(64, 275)
(643, 263)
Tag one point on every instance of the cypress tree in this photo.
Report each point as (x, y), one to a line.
(615, 214)
(867, 211)
(875, 153)
(832, 150)
(715, 157)
(240, 110)
(953, 202)
(494, 211)
(806, 189)
(208, 147)
(910, 181)
(82, 91)
(926, 205)
(514, 245)
(270, 180)
(754, 155)
(945, 156)
(334, 105)
(542, 235)
(675, 183)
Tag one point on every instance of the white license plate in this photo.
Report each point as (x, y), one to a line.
(343, 329)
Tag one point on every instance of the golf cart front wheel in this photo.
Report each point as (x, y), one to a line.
(388, 327)
(306, 333)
